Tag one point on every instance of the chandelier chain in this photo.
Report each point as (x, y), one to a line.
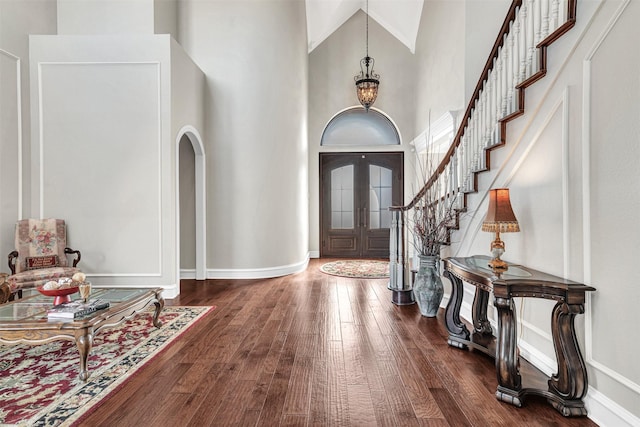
(367, 27)
(367, 80)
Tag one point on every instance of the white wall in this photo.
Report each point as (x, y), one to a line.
(256, 132)
(440, 56)
(571, 165)
(165, 19)
(17, 20)
(10, 148)
(480, 15)
(105, 17)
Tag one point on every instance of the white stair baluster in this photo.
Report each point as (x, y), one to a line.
(544, 11)
(531, 43)
(513, 65)
(506, 66)
(537, 27)
(522, 48)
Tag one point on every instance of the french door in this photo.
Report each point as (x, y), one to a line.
(356, 190)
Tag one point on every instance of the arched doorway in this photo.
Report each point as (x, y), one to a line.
(355, 126)
(191, 199)
(358, 187)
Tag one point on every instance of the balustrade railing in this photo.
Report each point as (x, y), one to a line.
(517, 60)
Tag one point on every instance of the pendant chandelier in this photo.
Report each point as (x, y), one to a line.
(367, 81)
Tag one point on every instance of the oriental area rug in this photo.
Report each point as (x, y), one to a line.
(39, 384)
(357, 268)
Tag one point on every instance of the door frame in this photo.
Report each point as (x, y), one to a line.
(400, 196)
(193, 136)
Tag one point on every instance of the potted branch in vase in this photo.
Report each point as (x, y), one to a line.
(434, 215)
(431, 221)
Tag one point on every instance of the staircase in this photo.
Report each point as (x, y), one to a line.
(517, 60)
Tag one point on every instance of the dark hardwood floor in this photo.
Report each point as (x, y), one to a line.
(313, 349)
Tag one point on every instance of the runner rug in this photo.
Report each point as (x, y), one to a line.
(39, 384)
(357, 268)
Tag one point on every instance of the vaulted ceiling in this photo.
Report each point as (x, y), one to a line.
(401, 18)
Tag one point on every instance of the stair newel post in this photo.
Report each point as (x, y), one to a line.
(402, 294)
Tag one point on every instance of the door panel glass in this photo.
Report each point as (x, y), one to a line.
(374, 207)
(380, 185)
(342, 198)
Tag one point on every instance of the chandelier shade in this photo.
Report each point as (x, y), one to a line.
(367, 81)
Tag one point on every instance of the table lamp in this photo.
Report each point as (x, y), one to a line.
(500, 218)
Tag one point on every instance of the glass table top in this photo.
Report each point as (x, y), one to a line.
(481, 262)
(34, 306)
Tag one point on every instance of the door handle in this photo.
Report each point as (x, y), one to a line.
(358, 218)
(365, 218)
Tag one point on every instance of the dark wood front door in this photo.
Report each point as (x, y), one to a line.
(356, 190)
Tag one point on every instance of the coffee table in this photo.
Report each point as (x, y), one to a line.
(25, 320)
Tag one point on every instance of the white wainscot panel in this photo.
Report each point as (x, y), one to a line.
(100, 162)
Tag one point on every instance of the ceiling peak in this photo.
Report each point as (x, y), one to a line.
(401, 18)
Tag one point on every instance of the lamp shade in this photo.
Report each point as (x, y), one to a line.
(500, 217)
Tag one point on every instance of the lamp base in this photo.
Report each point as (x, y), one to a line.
(498, 265)
(497, 249)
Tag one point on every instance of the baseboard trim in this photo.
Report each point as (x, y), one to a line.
(249, 273)
(168, 291)
(605, 412)
(188, 273)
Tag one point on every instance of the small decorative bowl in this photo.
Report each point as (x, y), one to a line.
(61, 295)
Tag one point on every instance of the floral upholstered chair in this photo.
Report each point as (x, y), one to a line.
(40, 255)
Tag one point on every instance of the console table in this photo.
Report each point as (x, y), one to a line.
(568, 386)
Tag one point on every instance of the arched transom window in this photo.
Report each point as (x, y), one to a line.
(356, 127)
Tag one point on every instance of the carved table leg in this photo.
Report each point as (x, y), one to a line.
(570, 383)
(5, 291)
(159, 303)
(507, 364)
(457, 330)
(480, 322)
(84, 343)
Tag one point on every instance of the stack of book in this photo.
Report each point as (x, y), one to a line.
(75, 309)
